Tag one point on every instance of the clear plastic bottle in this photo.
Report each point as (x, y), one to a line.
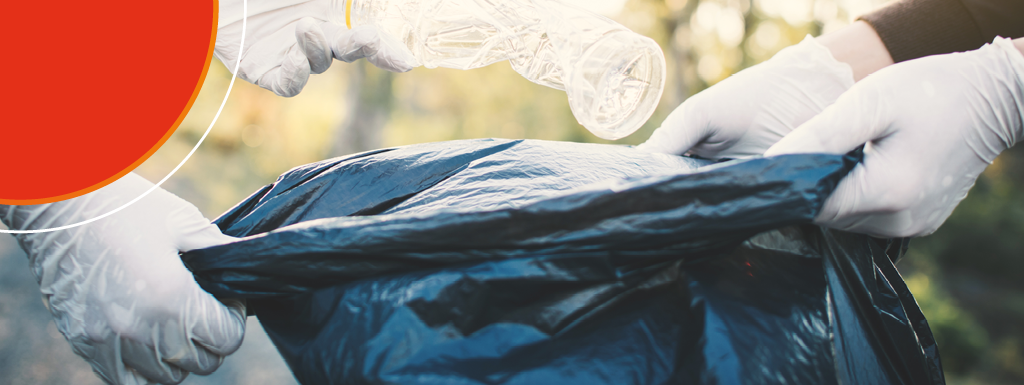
(613, 77)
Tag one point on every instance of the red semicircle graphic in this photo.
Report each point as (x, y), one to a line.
(94, 89)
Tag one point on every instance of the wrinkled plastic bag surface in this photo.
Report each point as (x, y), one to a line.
(532, 262)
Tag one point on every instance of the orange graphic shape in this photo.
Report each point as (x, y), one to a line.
(94, 89)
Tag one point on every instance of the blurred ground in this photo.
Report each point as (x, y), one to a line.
(965, 276)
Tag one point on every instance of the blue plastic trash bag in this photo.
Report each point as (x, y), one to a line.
(533, 262)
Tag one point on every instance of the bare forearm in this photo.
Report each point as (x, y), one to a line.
(859, 46)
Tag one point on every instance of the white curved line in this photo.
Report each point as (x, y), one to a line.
(245, 11)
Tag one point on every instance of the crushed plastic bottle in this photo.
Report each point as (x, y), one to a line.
(614, 77)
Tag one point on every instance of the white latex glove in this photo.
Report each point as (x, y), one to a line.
(931, 126)
(289, 39)
(748, 112)
(117, 289)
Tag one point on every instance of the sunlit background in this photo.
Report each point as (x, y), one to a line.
(965, 277)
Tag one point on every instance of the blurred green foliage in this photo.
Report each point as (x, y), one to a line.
(964, 276)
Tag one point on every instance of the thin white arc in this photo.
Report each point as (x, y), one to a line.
(245, 12)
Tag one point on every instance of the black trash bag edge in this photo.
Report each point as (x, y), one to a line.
(839, 167)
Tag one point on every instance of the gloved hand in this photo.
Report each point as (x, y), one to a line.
(748, 112)
(931, 126)
(117, 289)
(289, 39)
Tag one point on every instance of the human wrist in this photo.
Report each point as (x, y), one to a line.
(859, 46)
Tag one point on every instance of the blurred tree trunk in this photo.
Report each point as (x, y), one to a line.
(683, 81)
(368, 101)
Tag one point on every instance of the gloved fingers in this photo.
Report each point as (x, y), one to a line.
(360, 42)
(185, 225)
(354, 44)
(173, 349)
(683, 129)
(192, 231)
(196, 359)
(170, 348)
(859, 116)
(313, 43)
(881, 197)
(103, 352)
(392, 56)
(290, 77)
(130, 376)
(146, 360)
(367, 42)
(201, 236)
(217, 326)
(870, 201)
(839, 210)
